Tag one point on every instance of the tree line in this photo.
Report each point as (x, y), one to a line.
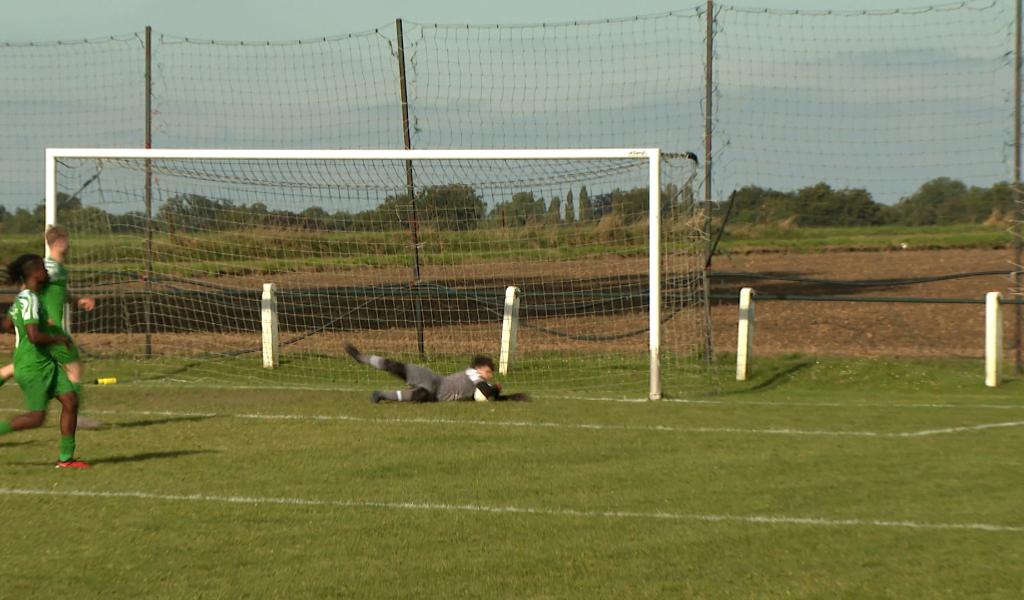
(941, 201)
(453, 207)
(458, 207)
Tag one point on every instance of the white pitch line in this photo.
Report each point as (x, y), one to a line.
(513, 424)
(555, 512)
(553, 425)
(801, 404)
(927, 432)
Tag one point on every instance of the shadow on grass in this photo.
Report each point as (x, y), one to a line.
(143, 456)
(13, 444)
(152, 422)
(128, 458)
(773, 378)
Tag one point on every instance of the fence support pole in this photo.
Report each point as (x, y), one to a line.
(993, 338)
(1018, 315)
(147, 309)
(709, 59)
(410, 190)
(745, 335)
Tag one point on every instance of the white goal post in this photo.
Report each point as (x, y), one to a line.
(653, 157)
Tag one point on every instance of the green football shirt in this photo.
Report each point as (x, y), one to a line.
(54, 295)
(24, 311)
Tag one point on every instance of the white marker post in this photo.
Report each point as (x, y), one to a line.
(509, 329)
(271, 332)
(745, 335)
(993, 338)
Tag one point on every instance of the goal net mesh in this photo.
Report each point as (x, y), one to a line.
(355, 261)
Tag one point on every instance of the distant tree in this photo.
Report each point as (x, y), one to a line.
(394, 213)
(570, 208)
(937, 202)
(257, 213)
(554, 215)
(819, 205)
(630, 206)
(674, 200)
(983, 203)
(455, 207)
(25, 221)
(757, 205)
(600, 206)
(315, 218)
(586, 209)
(67, 202)
(522, 209)
(195, 212)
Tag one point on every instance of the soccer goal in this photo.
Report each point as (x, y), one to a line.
(193, 254)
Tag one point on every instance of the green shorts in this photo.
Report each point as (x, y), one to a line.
(64, 354)
(39, 386)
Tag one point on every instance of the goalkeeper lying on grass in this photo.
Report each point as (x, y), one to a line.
(428, 386)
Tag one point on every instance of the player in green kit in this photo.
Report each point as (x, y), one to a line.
(35, 371)
(54, 297)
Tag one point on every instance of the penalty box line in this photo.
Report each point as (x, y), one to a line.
(554, 425)
(517, 510)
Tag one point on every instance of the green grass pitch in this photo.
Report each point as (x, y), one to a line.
(819, 478)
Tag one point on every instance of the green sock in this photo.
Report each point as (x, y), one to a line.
(67, 447)
(5, 427)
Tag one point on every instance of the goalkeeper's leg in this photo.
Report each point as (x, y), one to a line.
(416, 394)
(378, 362)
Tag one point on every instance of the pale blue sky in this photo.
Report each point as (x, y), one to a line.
(883, 103)
(45, 20)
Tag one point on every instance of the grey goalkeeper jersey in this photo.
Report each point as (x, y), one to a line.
(459, 386)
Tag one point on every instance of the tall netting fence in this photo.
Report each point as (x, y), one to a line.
(79, 93)
(334, 92)
(593, 84)
(876, 102)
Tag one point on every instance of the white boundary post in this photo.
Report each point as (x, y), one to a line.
(745, 335)
(271, 331)
(509, 329)
(993, 338)
(654, 270)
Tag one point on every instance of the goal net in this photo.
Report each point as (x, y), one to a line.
(406, 254)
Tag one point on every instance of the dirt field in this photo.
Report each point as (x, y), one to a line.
(822, 328)
(864, 329)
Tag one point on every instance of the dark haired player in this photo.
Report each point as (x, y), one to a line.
(53, 297)
(427, 386)
(35, 371)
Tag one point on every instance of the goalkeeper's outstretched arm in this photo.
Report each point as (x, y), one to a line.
(492, 391)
